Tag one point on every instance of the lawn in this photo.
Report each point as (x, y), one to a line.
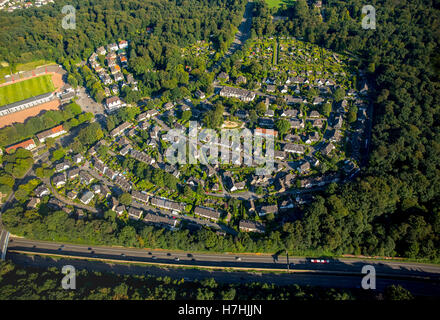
(274, 3)
(6, 69)
(33, 65)
(25, 89)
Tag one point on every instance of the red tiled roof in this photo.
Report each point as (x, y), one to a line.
(23, 144)
(267, 131)
(57, 129)
(50, 132)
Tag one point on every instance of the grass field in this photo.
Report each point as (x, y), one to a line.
(274, 3)
(25, 89)
(5, 70)
(32, 65)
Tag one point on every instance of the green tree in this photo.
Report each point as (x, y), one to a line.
(283, 126)
(125, 199)
(339, 94)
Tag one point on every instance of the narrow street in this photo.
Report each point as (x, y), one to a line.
(66, 201)
(244, 32)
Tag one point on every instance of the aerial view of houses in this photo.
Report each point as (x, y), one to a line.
(109, 63)
(221, 134)
(317, 141)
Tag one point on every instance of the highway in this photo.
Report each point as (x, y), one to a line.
(420, 279)
(394, 269)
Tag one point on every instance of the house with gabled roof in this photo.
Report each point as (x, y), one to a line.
(86, 197)
(167, 204)
(85, 178)
(328, 149)
(59, 180)
(41, 191)
(264, 210)
(101, 51)
(134, 213)
(297, 123)
(223, 76)
(290, 113)
(139, 196)
(112, 47)
(33, 202)
(123, 44)
(207, 213)
(294, 148)
(27, 144)
(251, 226)
(286, 204)
(63, 166)
(73, 173)
(78, 158)
(51, 133)
(304, 167)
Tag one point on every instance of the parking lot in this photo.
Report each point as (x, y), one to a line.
(88, 104)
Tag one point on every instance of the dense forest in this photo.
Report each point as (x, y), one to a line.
(30, 283)
(156, 31)
(38, 33)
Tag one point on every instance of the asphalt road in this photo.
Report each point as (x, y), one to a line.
(258, 261)
(191, 274)
(421, 279)
(241, 36)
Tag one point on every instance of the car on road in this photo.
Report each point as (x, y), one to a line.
(177, 259)
(153, 257)
(322, 261)
(169, 254)
(189, 255)
(92, 252)
(89, 248)
(237, 258)
(149, 253)
(123, 254)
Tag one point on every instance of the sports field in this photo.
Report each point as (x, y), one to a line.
(25, 89)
